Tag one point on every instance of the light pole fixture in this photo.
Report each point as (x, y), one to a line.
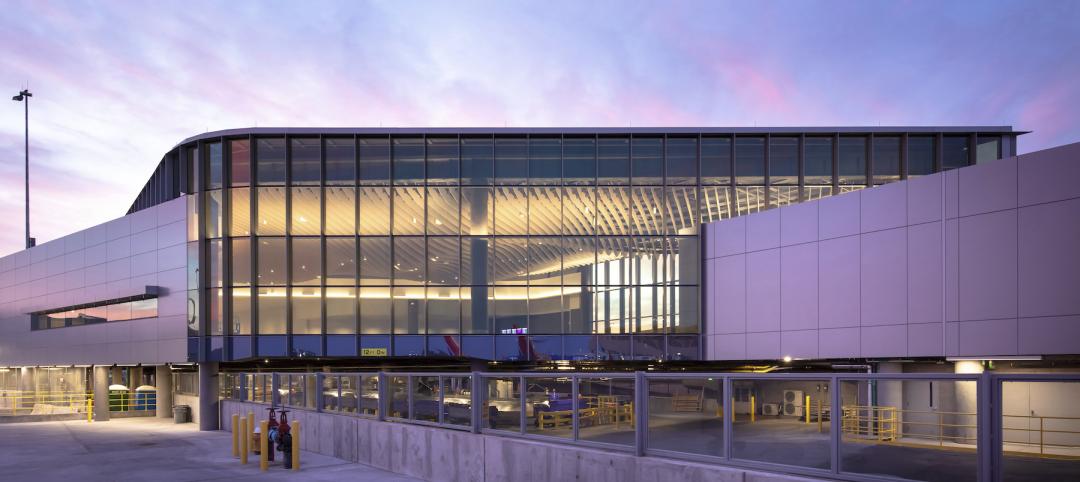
(24, 97)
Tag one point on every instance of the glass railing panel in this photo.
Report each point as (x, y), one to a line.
(686, 415)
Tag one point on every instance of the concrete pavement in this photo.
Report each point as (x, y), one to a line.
(149, 449)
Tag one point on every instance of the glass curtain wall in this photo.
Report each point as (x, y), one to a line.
(518, 247)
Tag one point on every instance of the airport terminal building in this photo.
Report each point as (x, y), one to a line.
(898, 249)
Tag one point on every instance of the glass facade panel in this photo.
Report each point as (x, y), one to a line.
(579, 160)
(443, 258)
(751, 442)
(852, 160)
(444, 305)
(307, 261)
(886, 159)
(272, 267)
(443, 210)
(213, 214)
(341, 311)
(215, 258)
(784, 161)
(715, 160)
(409, 311)
(545, 261)
(374, 161)
(271, 218)
(408, 210)
(687, 408)
(716, 203)
(613, 211)
(511, 210)
(545, 208)
(306, 161)
(409, 261)
(239, 212)
(340, 261)
(578, 212)
(340, 161)
(375, 261)
(647, 210)
(920, 155)
(954, 152)
(613, 160)
(510, 261)
(750, 160)
(271, 304)
(818, 157)
(375, 310)
(408, 160)
(215, 173)
(306, 310)
(647, 156)
(306, 208)
(682, 205)
(241, 262)
(477, 211)
(987, 149)
(240, 162)
(682, 160)
(374, 211)
(477, 155)
(511, 160)
(240, 324)
(545, 160)
(340, 211)
(270, 161)
(442, 160)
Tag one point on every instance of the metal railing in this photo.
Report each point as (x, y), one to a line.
(696, 416)
(30, 402)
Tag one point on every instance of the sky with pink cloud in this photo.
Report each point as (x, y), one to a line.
(116, 84)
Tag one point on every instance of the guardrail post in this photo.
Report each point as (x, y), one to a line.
(574, 422)
(988, 410)
(725, 394)
(320, 397)
(641, 412)
(521, 416)
(383, 391)
(275, 395)
(834, 424)
(477, 397)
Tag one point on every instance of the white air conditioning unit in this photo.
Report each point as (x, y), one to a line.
(793, 411)
(795, 397)
(771, 409)
(793, 403)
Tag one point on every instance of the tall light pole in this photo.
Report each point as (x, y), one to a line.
(24, 97)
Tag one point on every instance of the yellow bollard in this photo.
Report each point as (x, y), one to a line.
(243, 442)
(251, 431)
(296, 445)
(752, 409)
(732, 409)
(807, 408)
(89, 409)
(264, 428)
(236, 435)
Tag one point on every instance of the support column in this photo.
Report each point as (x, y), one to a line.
(890, 393)
(101, 394)
(163, 379)
(208, 396)
(966, 398)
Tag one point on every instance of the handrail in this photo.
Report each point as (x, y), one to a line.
(519, 408)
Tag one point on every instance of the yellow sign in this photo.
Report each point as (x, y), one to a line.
(373, 352)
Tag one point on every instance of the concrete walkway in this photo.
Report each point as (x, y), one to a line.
(149, 449)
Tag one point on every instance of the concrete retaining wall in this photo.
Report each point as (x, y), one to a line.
(438, 454)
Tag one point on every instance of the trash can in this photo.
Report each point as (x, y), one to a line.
(118, 398)
(182, 413)
(146, 398)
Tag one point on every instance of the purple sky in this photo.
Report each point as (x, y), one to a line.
(117, 84)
